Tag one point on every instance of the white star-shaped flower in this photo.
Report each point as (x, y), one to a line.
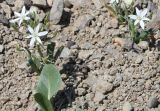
(140, 17)
(21, 16)
(35, 35)
(112, 1)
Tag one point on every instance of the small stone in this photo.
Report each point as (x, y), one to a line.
(79, 3)
(56, 11)
(98, 97)
(1, 48)
(1, 87)
(153, 102)
(18, 4)
(6, 9)
(3, 20)
(65, 53)
(1, 58)
(87, 46)
(70, 44)
(103, 86)
(97, 3)
(127, 107)
(49, 2)
(139, 60)
(23, 65)
(67, 4)
(113, 71)
(10, 2)
(82, 22)
(97, 56)
(144, 45)
(81, 91)
(84, 54)
(40, 2)
(114, 23)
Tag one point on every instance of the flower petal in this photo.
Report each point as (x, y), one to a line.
(26, 18)
(14, 20)
(23, 10)
(147, 19)
(20, 21)
(37, 28)
(32, 42)
(144, 12)
(138, 12)
(30, 29)
(43, 33)
(112, 1)
(17, 14)
(134, 17)
(117, 1)
(39, 40)
(136, 22)
(30, 36)
(27, 13)
(142, 24)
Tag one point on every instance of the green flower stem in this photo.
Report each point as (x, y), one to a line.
(40, 51)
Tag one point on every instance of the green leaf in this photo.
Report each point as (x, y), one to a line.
(143, 35)
(58, 53)
(33, 65)
(48, 85)
(50, 50)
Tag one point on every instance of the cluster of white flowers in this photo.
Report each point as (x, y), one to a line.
(140, 14)
(34, 32)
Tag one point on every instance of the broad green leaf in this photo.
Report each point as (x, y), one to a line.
(48, 85)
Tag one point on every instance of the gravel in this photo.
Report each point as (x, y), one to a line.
(98, 75)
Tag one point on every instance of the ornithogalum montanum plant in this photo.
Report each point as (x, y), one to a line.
(35, 35)
(40, 59)
(124, 11)
(140, 17)
(21, 16)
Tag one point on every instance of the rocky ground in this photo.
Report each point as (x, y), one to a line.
(98, 75)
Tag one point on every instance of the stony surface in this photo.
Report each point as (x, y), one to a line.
(98, 75)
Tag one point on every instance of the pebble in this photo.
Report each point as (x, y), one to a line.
(87, 46)
(81, 91)
(143, 44)
(3, 19)
(84, 54)
(10, 2)
(39, 2)
(65, 52)
(97, 3)
(1, 48)
(1, 87)
(127, 107)
(152, 102)
(82, 22)
(98, 97)
(56, 11)
(49, 2)
(139, 60)
(102, 86)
